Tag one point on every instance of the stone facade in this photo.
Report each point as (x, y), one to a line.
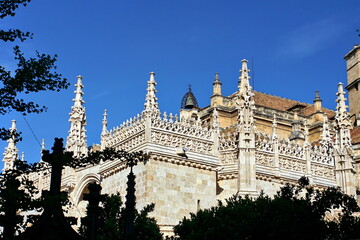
(240, 144)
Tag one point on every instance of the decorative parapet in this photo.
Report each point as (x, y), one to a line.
(228, 140)
(292, 156)
(287, 148)
(228, 157)
(167, 130)
(228, 147)
(294, 164)
(187, 127)
(322, 154)
(264, 158)
(321, 170)
(41, 179)
(264, 142)
(176, 140)
(126, 136)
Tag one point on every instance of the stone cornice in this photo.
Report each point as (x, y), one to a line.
(184, 162)
(109, 168)
(354, 83)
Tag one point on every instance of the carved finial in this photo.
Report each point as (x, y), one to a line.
(76, 140)
(341, 106)
(42, 148)
(152, 77)
(217, 85)
(326, 136)
(217, 79)
(244, 78)
(342, 119)
(11, 151)
(22, 156)
(78, 101)
(215, 121)
(151, 103)
(171, 117)
(13, 126)
(42, 144)
(245, 102)
(104, 123)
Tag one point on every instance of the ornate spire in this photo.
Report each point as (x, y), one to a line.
(325, 136)
(11, 151)
(42, 148)
(215, 120)
(217, 85)
(42, 144)
(151, 103)
(245, 101)
(78, 101)
(344, 168)
(104, 123)
(76, 140)
(342, 120)
(246, 176)
(244, 84)
(341, 114)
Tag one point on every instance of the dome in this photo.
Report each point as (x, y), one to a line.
(189, 100)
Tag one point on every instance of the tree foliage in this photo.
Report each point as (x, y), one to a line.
(32, 74)
(296, 212)
(112, 221)
(17, 194)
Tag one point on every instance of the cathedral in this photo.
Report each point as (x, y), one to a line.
(242, 144)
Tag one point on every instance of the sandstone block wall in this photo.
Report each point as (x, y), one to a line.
(178, 190)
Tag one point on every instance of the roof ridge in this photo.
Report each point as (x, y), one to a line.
(309, 104)
(283, 98)
(288, 99)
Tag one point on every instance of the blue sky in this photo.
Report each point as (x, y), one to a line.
(294, 48)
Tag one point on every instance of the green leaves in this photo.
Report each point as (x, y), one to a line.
(112, 221)
(8, 7)
(14, 198)
(13, 34)
(296, 212)
(32, 75)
